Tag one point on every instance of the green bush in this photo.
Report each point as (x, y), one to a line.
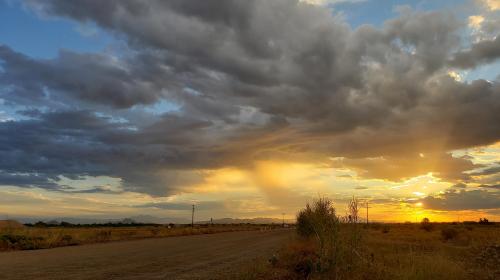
(305, 222)
(320, 222)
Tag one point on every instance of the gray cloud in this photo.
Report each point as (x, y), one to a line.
(29, 180)
(463, 200)
(96, 189)
(93, 78)
(398, 168)
(485, 51)
(459, 186)
(250, 79)
(494, 187)
(492, 170)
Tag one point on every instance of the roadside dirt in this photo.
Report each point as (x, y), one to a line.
(185, 257)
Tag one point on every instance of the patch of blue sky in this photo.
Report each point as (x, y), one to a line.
(14, 113)
(192, 91)
(25, 32)
(376, 12)
(162, 107)
(7, 112)
(490, 72)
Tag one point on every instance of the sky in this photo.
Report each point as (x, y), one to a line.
(249, 108)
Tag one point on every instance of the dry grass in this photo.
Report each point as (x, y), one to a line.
(30, 238)
(398, 251)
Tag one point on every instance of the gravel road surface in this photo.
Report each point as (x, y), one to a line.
(185, 257)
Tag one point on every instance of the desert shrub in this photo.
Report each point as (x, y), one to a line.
(375, 226)
(317, 220)
(21, 242)
(426, 224)
(386, 229)
(102, 235)
(449, 233)
(305, 222)
(351, 249)
(301, 258)
(67, 240)
(155, 231)
(321, 222)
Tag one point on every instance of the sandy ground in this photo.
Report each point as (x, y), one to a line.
(186, 257)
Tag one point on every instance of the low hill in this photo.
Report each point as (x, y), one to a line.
(10, 224)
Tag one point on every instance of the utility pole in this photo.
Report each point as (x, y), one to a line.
(192, 218)
(367, 212)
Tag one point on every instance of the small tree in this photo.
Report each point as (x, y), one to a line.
(483, 221)
(426, 224)
(354, 237)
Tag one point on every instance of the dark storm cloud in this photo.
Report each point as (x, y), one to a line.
(94, 78)
(459, 186)
(480, 53)
(494, 187)
(398, 168)
(96, 189)
(29, 181)
(250, 80)
(463, 200)
(78, 144)
(487, 171)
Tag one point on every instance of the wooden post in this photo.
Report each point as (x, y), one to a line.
(192, 218)
(367, 212)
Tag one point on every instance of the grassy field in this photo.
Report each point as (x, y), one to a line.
(330, 246)
(31, 238)
(393, 251)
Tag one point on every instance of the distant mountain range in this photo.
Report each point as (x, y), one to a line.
(246, 221)
(150, 220)
(74, 220)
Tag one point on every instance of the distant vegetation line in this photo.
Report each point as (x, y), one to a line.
(43, 235)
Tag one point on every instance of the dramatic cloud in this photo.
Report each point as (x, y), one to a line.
(480, 53)
(399, 168)
(463, 200)
(205, 85)
(494, 187)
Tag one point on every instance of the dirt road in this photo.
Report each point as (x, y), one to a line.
(186, 257)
